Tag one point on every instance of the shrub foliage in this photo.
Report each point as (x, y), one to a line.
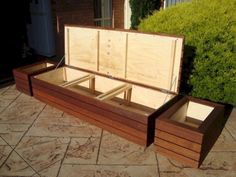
(141, 9)
(209, 27)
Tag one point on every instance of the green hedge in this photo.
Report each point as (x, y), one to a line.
(209, 27)
(140, 9)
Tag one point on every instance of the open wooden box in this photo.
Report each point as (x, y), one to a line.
(22, 74)
(188, 130)
(117, 80)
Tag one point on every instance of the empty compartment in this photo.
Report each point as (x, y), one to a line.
(127, 96)
(140, 100)
(188, 129)
(192, 113)
(22, 75)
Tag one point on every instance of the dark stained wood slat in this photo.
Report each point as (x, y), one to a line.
(130, 114)
(177, 157)
(87, 118)
(200, 139)
(81, 104)
(95, 116)
(180, 131)
(178, 149)
(178, 140)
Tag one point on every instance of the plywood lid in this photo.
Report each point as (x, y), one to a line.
(149, 59)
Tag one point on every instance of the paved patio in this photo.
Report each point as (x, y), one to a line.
(39, 140)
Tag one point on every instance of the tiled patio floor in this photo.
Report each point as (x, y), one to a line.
(39, 140)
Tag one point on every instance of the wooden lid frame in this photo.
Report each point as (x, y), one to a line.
(146, 58)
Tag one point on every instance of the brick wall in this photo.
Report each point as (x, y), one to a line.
(79, 12)
(118, 7)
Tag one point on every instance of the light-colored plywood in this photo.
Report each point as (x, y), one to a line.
(61, 75)
(177, 64)
(151, 60)
(105, 84)
(148, 59)
(112, 53)
(180, 114)
(172, 62)
(79, 80)
(114, 92)
(150, 98)
(140, 95)
(81, 45)
(54, 76)
(198, 111)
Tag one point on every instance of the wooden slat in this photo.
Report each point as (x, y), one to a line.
(77, 104)
(24, 90)
(22, 81)
(177, 140)
(23, 85)
(178, 149)
(113, 109)
(93, 121)
(179, 130)
(17, 73)
(95, 117)
(114, 92)
(178, 157)
(78, 81)
(98, 117)
(172, 63)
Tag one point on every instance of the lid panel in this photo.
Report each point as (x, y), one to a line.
(148, 59)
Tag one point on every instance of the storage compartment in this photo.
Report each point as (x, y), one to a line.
(22, 75)
(121, 107)
(192, 114)
(109, 81)
(188, 130)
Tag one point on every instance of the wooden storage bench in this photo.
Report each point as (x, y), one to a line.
(118, 80)
(23, 74)
(188, 130)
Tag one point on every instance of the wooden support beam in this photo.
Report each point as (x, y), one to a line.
(80, 80)
(116, 91)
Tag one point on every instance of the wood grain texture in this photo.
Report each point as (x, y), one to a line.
(177, 140)
(198, 140)
(178, 149)
(101, 121)
(112, 53)
(149, 59)
(22, 75)
(77, 104)
(81, 47)
(91, 101)
(177, 157)
(181, 130)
